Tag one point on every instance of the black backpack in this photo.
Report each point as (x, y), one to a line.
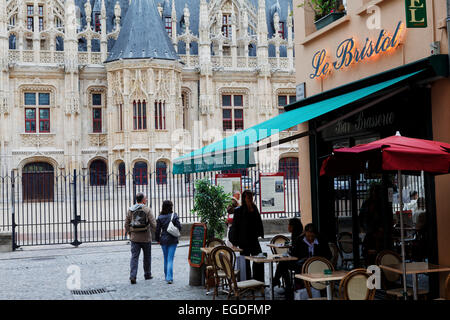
(139, 221)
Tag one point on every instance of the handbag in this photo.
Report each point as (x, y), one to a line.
(172, 230)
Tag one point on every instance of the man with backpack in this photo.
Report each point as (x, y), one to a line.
(139, 224)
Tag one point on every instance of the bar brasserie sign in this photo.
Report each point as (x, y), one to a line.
(349, 53)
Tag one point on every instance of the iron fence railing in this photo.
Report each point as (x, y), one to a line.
(72, 208)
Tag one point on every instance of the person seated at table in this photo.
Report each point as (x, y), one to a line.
(295, 228)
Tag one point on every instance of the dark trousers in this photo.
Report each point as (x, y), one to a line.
(258, 268)
(134, 263)
(284, 269)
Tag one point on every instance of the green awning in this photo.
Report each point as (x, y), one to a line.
(237, 151)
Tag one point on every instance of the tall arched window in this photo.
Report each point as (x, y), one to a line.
(161, 172)
(139, 115)
(97, 173)
(140, 173)
(122, 174)
(37, 182)
(289, 166)
(160, 115)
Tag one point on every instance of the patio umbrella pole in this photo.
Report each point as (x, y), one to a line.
(402, 238)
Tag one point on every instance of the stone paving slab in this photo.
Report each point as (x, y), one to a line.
(41, 273)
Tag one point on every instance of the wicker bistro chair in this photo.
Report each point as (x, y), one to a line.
(209, 270)
(345, 248)
(279, 239)
(239, 288)
(219, 273)
(446, 289)
(354, 286)
(316, 265)
(389, 280)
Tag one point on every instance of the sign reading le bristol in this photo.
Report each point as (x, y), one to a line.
(347, 52)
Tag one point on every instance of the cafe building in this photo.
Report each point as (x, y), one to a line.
(389, 61)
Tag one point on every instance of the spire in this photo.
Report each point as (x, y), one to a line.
(142, 35)
(262, 23)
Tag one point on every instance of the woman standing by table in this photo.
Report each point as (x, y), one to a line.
(247, 227)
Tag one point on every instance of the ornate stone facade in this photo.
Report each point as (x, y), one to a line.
(54, 51)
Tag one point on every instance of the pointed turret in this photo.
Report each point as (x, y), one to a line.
(142, 35)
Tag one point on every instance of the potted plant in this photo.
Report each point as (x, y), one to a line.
(210, 204)
(325, 11)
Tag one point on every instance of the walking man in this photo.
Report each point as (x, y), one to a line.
(139, 224)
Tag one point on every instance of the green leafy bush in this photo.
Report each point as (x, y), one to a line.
(210, 204)
(321, 7)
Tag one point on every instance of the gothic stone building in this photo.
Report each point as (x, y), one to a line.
(122, 85)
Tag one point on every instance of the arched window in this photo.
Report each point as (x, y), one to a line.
(97, 173)
(160, 115)
(139, 115)
(289, 166)
(38, 182)
(161, 172)
(140, 173)
(122, 174)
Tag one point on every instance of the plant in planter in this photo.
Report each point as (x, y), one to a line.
(325, 11)
(210, 204)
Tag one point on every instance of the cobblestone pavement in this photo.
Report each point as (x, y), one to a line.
(42, 273)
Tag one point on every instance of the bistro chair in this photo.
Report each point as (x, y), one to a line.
(389, 280)
(354, 286)
(209, 271)
(219, 273)
(345, 246)
(316, 265)
(279, 239)
(239, 288)
(446, 289)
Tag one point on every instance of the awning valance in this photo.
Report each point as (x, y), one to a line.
(237, 151)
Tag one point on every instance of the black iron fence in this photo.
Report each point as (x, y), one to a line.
(71, 208)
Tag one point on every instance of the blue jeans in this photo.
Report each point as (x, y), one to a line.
(136, 248)
(169, 254)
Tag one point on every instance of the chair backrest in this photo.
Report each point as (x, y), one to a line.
(215, 257)
(214, 242)
(387, 257)
(346, 246)
(279, 239)
(228, 269)
(316, 265)
(354, 286)
(334, 253)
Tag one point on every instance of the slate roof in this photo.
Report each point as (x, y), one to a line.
(194, 9)
(142, 35)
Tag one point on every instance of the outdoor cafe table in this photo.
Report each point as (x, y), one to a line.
(270, 259)
(414, 268)
(321, 277)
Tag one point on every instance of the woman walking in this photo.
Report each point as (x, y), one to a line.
(168, 241)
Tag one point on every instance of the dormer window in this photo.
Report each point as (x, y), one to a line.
(281, 30)
(168, 26)
(98, 24)
(226, 25)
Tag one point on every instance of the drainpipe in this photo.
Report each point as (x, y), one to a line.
(448, 29)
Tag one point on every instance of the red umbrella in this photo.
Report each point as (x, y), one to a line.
(390, 154)
(394, 153)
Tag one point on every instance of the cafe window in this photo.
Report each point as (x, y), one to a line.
(37, 117)
(232, 112)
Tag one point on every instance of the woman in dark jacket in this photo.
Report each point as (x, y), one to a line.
(246, 228)
(168, 242)
(295, 227)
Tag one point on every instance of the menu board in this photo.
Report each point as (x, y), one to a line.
(230, 182)
(272, 199)
(198, 240)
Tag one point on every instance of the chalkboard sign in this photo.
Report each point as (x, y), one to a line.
(198, 240)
